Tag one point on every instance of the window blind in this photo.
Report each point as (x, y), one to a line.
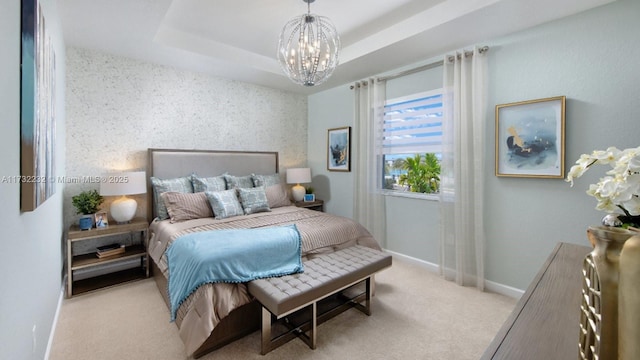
(413, 124)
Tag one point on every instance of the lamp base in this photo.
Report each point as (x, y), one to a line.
(123, 210)
(298, 192)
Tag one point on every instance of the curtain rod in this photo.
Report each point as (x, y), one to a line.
(432, 65)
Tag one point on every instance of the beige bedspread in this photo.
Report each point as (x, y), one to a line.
(202, 311)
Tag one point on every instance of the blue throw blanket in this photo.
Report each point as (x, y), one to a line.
(231, 256)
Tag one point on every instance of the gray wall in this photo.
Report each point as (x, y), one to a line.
(592, 59)
(31, 255)
(408, 232)
(330, 109)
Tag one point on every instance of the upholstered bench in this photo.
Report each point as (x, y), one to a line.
(323, 276)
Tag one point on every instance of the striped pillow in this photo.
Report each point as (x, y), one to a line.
(181, 206)
(277, 196)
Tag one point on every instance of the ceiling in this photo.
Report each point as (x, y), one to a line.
(237, 39)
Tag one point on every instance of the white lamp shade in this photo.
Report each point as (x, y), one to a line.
(123, 183)
(298, 175)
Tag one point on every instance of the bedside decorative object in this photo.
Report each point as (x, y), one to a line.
(122, 184)
(87, 203)
(298, 176)
(101, 219)
(309, 198)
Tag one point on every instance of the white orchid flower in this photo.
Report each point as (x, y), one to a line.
(618, 190)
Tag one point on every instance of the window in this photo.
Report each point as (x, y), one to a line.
(412, 142)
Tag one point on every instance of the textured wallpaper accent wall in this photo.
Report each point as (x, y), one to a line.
(118, 107)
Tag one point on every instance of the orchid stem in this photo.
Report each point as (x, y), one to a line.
(624, 210)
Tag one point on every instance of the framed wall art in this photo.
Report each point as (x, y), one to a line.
(339, 149)
(530, 138)
(37, 108)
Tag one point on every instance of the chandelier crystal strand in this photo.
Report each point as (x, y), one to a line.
(308, 48)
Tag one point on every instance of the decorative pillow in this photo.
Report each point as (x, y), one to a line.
(182, 206)
(224, 203)
(265, 180)
(181, 185)
(277, 196)
(253, 200)
(237, 182)
(216, 183)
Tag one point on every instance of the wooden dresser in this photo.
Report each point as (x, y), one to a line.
(545, 322)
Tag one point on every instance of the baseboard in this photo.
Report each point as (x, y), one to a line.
(54, 325)
(503, 289)
(435, 268)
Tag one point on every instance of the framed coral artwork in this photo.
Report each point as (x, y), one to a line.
(530, 138)
(339, 149)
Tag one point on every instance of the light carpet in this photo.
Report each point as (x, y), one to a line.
(416, 315)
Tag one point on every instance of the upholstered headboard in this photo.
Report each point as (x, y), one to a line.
(173, 163)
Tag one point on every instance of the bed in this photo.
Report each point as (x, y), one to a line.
(218, 313)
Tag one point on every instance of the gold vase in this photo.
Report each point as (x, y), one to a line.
(629, 300)
(599, 308)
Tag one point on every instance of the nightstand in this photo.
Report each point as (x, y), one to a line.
(317, 205)
(78, 262)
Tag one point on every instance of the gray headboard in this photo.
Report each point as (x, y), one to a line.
(172, 163)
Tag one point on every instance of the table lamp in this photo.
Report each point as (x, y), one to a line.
(122, 184)
(298, 176)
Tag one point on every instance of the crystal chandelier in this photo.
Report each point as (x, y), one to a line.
(308, 48)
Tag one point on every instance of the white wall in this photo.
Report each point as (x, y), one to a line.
(118, 107)
(592, 59)
(31, 255)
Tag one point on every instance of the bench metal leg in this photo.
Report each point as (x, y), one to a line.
(367, 302)
(269, 344)
(314, 321)
(266, 331)
(366, 308)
